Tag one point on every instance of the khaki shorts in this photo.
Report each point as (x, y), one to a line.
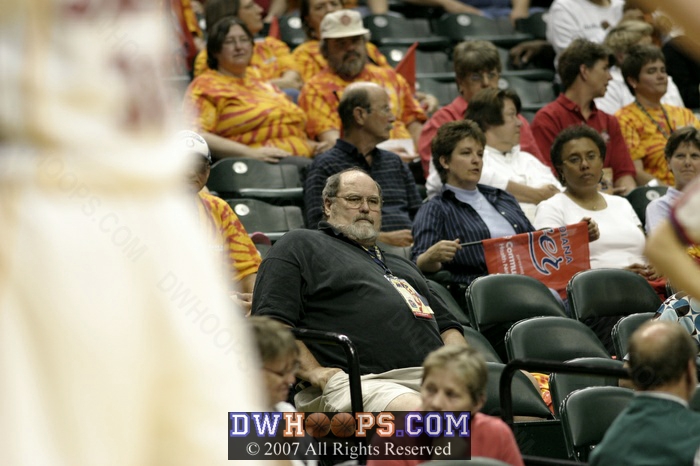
(378, 390)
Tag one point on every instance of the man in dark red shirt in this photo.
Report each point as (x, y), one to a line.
(477, 67)
(584, 72)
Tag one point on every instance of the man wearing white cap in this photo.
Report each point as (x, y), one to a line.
(343, 45)
(226, 235)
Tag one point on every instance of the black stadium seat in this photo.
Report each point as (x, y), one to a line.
(274, 221)
(399, 31)
(249, 178)
(463, 26)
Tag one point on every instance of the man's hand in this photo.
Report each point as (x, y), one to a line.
(268, 154)
(593, 232)
(320, 376)
(400, 238)
(428, 102)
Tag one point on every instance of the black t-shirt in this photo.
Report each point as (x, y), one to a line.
(320, 280)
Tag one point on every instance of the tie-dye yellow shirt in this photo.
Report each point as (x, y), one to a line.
(247, 110)
(271, 57)
(320, 97)
(309, 61)
(227, 236)
(190, 18)
(646, 141)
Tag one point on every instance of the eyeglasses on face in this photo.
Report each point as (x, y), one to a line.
(355, 202)
(240, 41)
(284, 372)
(575, 160)
(478, 77)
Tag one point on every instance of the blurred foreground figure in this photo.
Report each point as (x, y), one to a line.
(118, 344)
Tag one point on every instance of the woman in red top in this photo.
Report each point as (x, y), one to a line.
(454, 379)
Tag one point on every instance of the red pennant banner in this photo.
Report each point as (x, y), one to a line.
(552, 255)
(274, 30)
(407, 66)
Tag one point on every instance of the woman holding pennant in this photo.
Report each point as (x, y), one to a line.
(578, 154)
(448, 230)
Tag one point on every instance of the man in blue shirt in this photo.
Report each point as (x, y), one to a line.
(366, 118)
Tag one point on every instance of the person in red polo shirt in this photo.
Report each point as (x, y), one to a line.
(477, 66)
(584, 71)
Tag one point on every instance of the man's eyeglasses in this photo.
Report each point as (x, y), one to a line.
(479, 77)
(285, 372)
(355, 202)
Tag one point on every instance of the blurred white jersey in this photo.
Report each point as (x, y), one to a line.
(118, 343)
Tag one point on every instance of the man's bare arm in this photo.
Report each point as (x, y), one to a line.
(453, 336)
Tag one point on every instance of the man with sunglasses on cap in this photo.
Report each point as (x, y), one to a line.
(343, 45)
(225, 232)
(336, 279)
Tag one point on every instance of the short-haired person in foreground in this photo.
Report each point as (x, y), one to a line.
(336, 279)
(465, 211)
(279, 356)
(584, 71)
(454, 379)
(365, 113)
(657, 427)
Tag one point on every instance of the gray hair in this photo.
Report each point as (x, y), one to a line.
(330, 190)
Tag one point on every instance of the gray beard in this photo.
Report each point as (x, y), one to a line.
(350, 69)
(364, 234)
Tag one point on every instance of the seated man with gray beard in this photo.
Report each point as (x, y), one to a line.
(336, 279)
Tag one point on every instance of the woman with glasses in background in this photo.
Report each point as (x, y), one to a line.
(239, 114)
(271, 58)
(578, 154)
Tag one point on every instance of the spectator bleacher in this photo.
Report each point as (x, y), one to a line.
(487, 314)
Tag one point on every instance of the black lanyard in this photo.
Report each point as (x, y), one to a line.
(665, 133)
(376, 254)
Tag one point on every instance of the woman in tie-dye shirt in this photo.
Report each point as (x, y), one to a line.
(271, 57)
(238, 113)
(646, 123)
